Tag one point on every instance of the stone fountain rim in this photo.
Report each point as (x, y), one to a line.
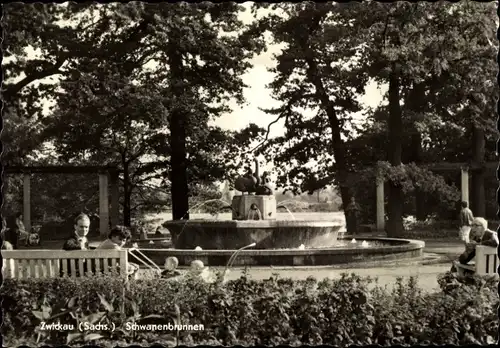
(404, 245)
(253, 223)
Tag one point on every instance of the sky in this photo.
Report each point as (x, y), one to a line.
(258, 95)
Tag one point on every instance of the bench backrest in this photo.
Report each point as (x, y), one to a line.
(57, 263)
(486, 260)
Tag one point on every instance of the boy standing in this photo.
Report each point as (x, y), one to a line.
(466, 219)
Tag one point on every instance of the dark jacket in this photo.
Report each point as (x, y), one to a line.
(489, 239)
(73, 243)
(10, 235)
(170, 273)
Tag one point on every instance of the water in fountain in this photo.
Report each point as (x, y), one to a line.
(281, 205)
(199, 205)
(297, 204)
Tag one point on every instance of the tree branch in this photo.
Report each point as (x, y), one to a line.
(11, 91)
(286, 111)
(266, 138)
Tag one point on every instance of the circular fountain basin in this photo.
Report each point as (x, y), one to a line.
(266, 234)
(378, 249)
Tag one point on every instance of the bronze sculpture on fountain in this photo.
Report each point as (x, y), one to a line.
(259, 194)
(253, 182)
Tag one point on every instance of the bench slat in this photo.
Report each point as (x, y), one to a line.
(97, 265)
(80, 267)
(65, 267)
(24, 269)
(88, 263)
(72, 268)
(50, 269)
(114, 266)
(105, 266)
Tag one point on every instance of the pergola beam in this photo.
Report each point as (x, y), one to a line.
(447, 166)
(66, 169)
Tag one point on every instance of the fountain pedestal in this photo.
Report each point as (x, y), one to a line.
(242, 204)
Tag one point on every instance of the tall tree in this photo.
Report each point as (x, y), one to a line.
(203, 53)
(402, 50)
(105, 118)
(134, 79)
(313, 71)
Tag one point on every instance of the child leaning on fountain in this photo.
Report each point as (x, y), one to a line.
(170, 268)
(117, 238)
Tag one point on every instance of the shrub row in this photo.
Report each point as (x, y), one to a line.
(345, 311)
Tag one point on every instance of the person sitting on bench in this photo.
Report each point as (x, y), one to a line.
(479, 235)
(170, 268)
(117, 238)
(78, 240)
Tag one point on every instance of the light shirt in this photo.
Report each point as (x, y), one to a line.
(466, 217)
(83, 242)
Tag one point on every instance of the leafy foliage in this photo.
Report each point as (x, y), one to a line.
(345, 311)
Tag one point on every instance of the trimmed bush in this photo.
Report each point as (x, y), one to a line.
(345, 311)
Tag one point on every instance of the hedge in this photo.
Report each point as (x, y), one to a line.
(345, 311)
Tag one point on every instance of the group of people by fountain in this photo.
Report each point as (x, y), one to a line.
(118, 237)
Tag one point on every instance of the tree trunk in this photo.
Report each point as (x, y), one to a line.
(478, 199)
(395, 152)
(338, 145)
(415, 104)
(178, 174)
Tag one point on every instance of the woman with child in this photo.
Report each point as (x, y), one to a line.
(117, 239)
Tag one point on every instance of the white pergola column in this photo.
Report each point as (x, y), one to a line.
(103, 205)
(115, 199)
(27, 201)
(465, 184)
(380, 205)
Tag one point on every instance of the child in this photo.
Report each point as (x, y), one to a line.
(34, 237)
(198, 269)
(466, 219)
(117, 238)
(171, 264)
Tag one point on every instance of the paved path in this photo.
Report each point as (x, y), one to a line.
(426, 275)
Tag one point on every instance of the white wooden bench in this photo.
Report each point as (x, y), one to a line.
(24, 264)
(486, 260)
(485, 263)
